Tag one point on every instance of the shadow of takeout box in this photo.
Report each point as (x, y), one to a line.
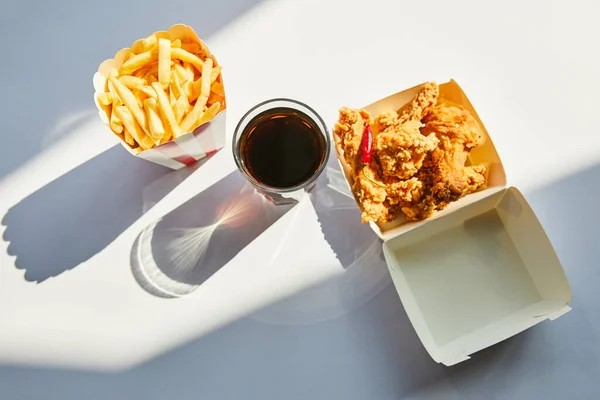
(477, 272)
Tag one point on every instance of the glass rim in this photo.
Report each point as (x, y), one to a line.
(237, 154)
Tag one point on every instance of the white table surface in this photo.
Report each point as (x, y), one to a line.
(75, 323)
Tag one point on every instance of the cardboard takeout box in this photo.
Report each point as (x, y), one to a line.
(479, 271)
(188, 148)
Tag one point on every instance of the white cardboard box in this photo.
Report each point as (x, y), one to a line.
(479, 271)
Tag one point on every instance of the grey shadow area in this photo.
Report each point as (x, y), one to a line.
(74, 217)
(371, 353)
(173, 256)
(60, 45)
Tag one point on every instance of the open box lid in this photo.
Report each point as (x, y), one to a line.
(475, 277)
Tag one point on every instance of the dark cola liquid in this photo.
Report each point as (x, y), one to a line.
(282, 148)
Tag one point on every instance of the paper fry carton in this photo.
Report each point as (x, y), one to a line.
(480, 270)
(188, 148)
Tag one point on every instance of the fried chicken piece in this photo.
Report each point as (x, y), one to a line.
(383, 203)
(349, 129)
(452, 125)
(420, 106)
(370, 192)
(400, 146)
(372, 196)
(458, 132)
(444, 174)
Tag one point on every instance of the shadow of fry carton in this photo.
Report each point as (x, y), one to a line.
(204, 141)
(477, 272)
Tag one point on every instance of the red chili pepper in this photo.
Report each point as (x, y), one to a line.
(366, 149)
(366, 145)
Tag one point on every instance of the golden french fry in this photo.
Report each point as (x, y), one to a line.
(116, 100)
(140, 101)
(152, 72)
(193, 116)
(128, 138)
(140, 95)
(140, 73)
(195, 87)
(202, 86)
(175, 87)
(164, 62)
(206, 72)
(208, 115)
(131, 102)
(176, 43)
(132, 82)
(157, 130)
(214, 74)
(181, 73)
(115, 122)
(134, 128)
(152, 79)
(172, 98)
(149, 43)
(187, 89)
(191, 72)
(148, 91)
(191, 47)
(181, 108)
(104, 98)
(166, 110)
(137, 61)
(186, 56)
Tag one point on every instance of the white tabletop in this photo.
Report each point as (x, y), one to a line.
(77, 320)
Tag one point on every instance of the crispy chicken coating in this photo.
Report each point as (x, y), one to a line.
(419, 157)
(400, 148)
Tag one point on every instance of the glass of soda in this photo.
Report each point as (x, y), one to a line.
(281, 146)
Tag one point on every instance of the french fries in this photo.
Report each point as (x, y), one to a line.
(165, 87)
(157, 130)
(133, 82)
(133, 128)
(166, 110)
(164, 62)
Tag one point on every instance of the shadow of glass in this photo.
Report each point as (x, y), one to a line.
(356, 247)
(172, 257)
(74, 217)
